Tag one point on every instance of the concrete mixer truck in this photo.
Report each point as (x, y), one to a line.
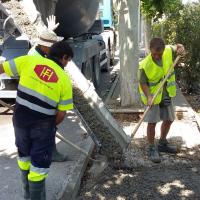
(79, 24)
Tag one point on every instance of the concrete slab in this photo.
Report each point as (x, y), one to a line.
(64, 178)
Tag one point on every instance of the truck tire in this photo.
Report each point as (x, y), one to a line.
(87, 70)
(105, 67)
(96, 71)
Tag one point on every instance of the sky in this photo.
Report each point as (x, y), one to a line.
(189, 1)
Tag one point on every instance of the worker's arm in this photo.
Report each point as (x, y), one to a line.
(180, 49)
(66, 101)
(1, 69)
(60, 116)
(144, 86)
(145, 89)
(14, 67)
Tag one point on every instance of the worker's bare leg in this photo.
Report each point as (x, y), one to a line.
(152, 150)
(165, 129)
(151, 132)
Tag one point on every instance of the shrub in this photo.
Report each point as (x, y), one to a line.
(183, 26)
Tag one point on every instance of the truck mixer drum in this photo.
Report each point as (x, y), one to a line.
(75, 16)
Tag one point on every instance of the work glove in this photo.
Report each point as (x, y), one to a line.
(180, 50)
(51, 23)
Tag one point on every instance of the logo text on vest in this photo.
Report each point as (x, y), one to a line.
(46, 73)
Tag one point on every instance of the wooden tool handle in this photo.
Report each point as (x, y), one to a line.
(6, 105)
(58, 135)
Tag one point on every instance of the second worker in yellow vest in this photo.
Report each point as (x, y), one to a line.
(152, 71)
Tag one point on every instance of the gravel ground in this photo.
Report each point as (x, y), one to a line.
(180, 181)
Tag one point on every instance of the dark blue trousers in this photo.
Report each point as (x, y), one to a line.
(37, 141)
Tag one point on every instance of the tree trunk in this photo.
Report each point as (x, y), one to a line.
(129, 50)
(147, 33)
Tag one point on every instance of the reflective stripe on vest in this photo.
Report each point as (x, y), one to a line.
(35, 107)
(43, 84)
(38, 95)
(13, 68)
(66, 102)
(156, 74)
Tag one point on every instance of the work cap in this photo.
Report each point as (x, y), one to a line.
(47, 38)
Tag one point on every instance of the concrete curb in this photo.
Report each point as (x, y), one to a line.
(72, 187)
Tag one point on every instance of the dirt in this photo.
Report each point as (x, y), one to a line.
(194, 101)
(180, 181)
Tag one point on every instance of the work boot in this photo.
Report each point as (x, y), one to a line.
(37, 190)
(25, 185)
(58, 157)
(153, 154)
(164, 146)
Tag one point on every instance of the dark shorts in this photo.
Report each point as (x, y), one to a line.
(36, 141)
(160, 113)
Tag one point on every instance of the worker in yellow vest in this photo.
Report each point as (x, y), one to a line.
(152, 71)
(44, 95)
(46, 39)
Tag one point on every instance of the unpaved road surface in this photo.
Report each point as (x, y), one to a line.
(179, 181)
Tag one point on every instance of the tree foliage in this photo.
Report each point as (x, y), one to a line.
(154, 9)
(182, 26)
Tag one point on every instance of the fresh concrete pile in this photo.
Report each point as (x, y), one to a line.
(20, 18)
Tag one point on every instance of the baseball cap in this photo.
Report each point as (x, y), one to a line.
(47, 38)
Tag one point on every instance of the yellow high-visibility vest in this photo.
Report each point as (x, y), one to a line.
(156, 74)
(42, 79)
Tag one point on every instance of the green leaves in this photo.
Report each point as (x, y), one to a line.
(154, 9)
(182, 26)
